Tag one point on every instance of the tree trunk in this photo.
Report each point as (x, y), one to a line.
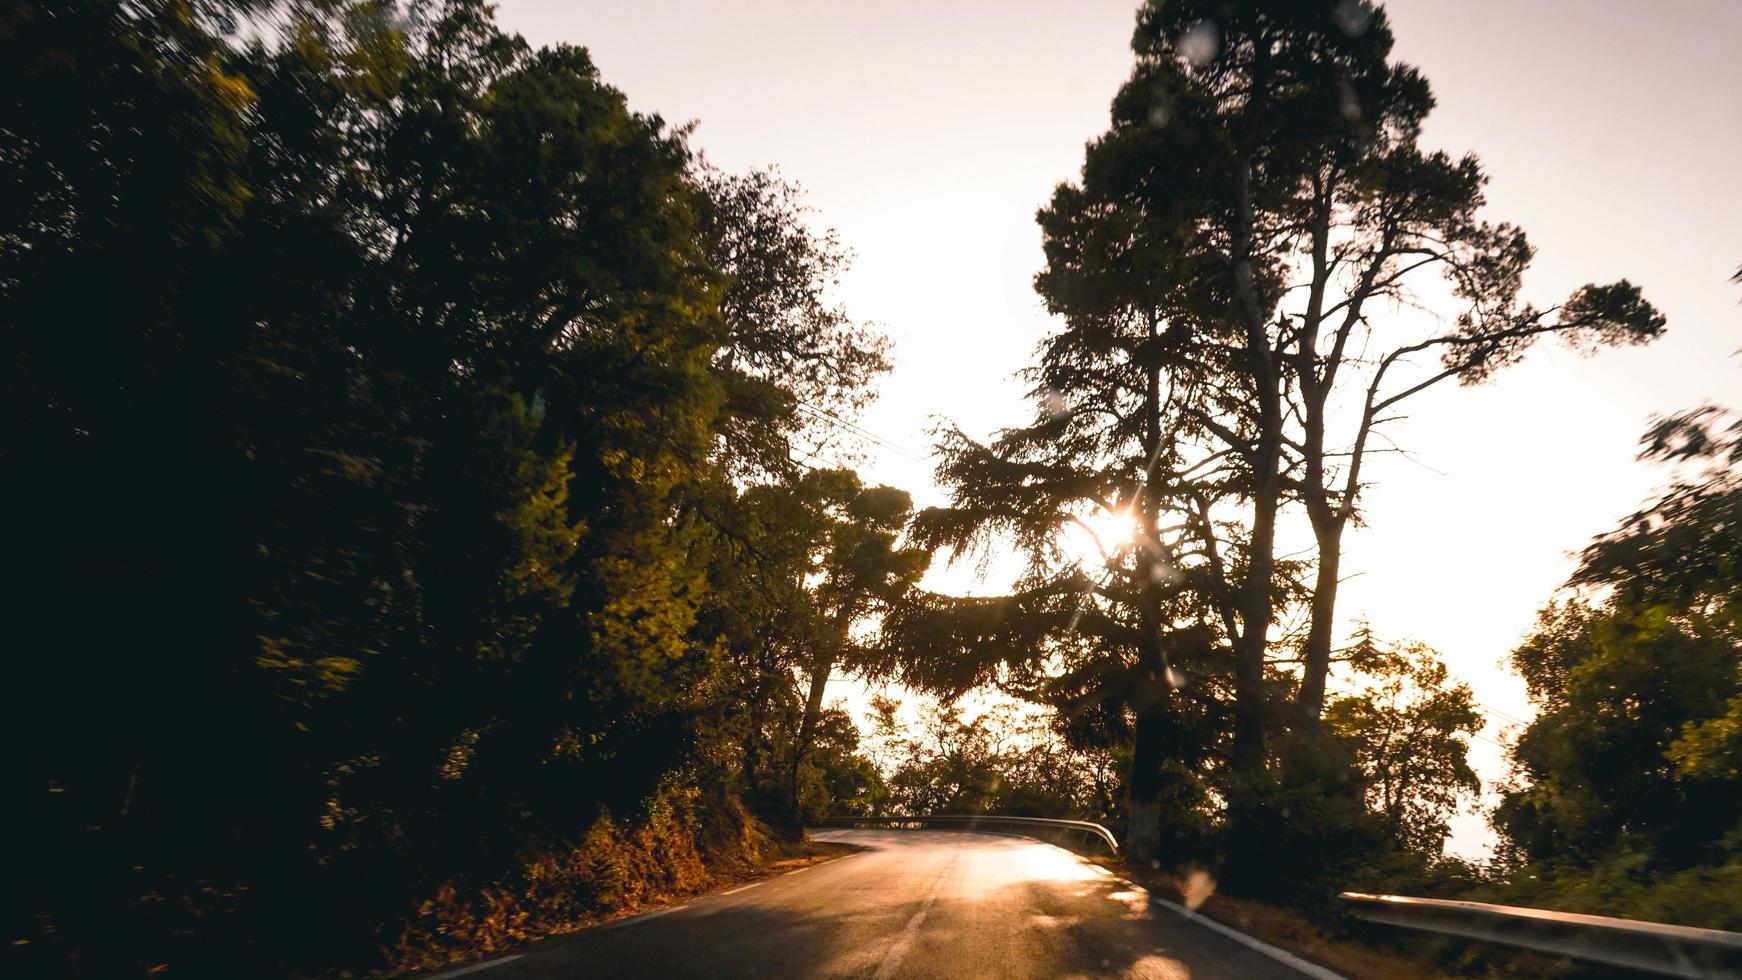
(1142, 830)
(821, 666)
(1256, 599)
(1143, 803)
(1249, 649)
(1310, 700)
(753, 739)
(1143, 799)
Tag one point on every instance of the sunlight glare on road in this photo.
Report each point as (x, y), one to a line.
(1034, 863)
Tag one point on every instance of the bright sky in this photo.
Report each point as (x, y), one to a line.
(928, 132)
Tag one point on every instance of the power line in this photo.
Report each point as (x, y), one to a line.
(1497, 714)
(862, 432)
(1496, 711)
(866, 434)
(812, 456)
(1496, 744)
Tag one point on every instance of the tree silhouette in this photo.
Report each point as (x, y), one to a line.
(861, 566)
(1230, 270)
(1263, 161)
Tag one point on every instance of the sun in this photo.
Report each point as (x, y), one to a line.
(1095, 538)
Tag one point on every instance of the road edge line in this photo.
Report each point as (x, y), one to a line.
(1282, 956)
(630, 920)
(473, 968)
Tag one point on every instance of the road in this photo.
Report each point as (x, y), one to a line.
(914, 904)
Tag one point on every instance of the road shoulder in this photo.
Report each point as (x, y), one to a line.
(786, 859)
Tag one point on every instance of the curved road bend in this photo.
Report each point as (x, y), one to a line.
(917, 904)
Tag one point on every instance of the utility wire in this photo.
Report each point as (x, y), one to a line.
(1496, 711)
(840, 423)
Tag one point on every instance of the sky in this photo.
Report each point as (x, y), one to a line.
(927, 133)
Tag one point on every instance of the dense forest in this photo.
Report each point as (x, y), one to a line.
(401, 436)
(423, 540)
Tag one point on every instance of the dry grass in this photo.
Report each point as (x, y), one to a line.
(683, 849)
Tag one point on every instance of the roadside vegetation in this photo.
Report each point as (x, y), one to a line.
(422, 541)
(412, 551)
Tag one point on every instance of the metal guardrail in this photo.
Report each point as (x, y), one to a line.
(1023, 826)
(1678, 951)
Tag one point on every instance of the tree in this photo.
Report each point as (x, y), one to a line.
(1408, 729)
(1261, 206)
(1227, 270)
(792, 566)
(1128, 658)
(792, 362)
(861, 567)
(1625, 789)
(792, 365)
(835, 777)
(1003, 760)
(368, 382)
(1635, 674)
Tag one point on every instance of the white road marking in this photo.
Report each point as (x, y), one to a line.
(892, 959)
(1282, 956)
(740, 888)
(643, 917)
(904, 942)
(474, 968)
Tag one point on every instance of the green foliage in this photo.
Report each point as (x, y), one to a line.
(372, 379)
(794, 569)
(1002, 760)
(861, 567)
(1617, 689)
(1626, 797)
(833, 776)
(1407, 728)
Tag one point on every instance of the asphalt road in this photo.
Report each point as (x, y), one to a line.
(916, 904)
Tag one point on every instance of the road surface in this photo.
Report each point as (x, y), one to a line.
(915, 904)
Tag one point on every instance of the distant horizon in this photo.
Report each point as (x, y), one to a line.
(900, 118)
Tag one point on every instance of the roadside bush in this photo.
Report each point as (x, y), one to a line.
(684, 842)
(1304, 832)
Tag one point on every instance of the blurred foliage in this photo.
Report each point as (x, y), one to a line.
(1626, 798)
